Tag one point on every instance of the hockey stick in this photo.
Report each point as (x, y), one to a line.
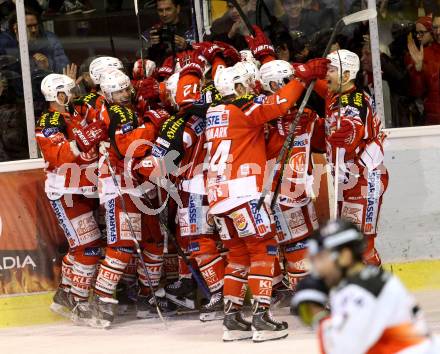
(110, 32)
(338, 125)
(133, 235)
(359, 16)
(194, 21)
(200, 282)
(136, 11)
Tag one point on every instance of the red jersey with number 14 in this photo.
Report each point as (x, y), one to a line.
(236, 145)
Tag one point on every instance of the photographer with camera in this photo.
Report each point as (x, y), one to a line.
(172, 34)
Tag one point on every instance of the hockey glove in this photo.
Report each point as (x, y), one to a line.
(192, 64)
(314, 69)
(344, 136)
(156, 117)
(229, 53)
(167, 68)
(147, 89)
(90, 136)
(208, 49)
(143, 71)
(260, 45)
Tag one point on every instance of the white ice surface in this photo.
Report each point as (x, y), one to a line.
(184, 335)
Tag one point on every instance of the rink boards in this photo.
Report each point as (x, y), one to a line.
(409, 226)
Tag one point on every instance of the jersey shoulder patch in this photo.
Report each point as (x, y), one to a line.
(89, 99)
(372, 279)
(355, 104)
(210, 94)
(244, 101)
(122, 115)
(171, 137)
(53, 120)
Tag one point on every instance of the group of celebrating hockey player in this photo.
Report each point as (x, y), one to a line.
(176, 159)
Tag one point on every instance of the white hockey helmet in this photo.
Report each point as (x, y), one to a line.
(113, 81)
(101, 64)
(277, 71)
(171, 87)
(52, 84)
(224, 81)
(244, 73)
(250, 74)
(346, 60)
(246, 55)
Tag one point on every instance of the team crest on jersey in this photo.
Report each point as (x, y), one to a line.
(297, 162)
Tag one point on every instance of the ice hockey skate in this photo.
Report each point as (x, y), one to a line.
(235, 326)
(103, 311)
(62, 303)
(265, 327)
(145, 307)
(81, 313)
(212, 310)
(182, 293)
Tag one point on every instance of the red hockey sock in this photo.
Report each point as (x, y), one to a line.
(66, 271)
(111, 270)
(153, 259)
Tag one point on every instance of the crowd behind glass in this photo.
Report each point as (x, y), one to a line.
(64, 35)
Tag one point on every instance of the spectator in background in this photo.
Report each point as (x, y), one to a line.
(424, 31)
(172, 34)
(13, 137)
(8, 6)
(399, 109)
(424, 70)
(230, 28)
(307, 16)
(44, 47)
(45, 51)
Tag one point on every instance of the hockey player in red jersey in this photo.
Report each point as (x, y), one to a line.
(353, 129)
(236, 146)
(184, 133)
(294, 211)
(68, 146)
(90, 105)
(124, 130)
(370, 310)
